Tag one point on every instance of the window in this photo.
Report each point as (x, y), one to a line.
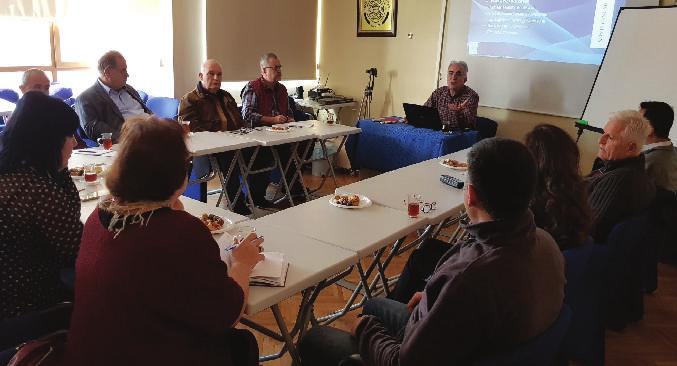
(67, 37)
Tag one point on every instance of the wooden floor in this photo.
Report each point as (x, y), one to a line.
(652, 341)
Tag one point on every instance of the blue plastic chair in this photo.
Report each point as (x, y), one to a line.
(164, 107)
(628, 246)
(200, 168)
(585, 294)
(143, 95)
(34, 324)
(70, 101)
(62, 93)
(539, 351)
(9, 95)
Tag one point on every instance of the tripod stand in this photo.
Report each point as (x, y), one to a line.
(365, 105)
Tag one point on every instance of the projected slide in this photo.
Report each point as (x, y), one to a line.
(571, 31)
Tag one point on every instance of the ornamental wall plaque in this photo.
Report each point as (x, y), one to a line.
(376, 18)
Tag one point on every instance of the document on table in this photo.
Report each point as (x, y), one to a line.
(272, 271)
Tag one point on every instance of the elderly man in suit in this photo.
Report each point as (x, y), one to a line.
(110, 101)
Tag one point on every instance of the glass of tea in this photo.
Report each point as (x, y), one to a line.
(185, 125)
(90, 174)
(106, 141)
(413, 205)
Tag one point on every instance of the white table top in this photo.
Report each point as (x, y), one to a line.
(325, 131)
(6, 108)
(205, 143)
(83, 159)
(270, 138)
(311, 261)
(360, 230)
(315, 105)
(390, 189)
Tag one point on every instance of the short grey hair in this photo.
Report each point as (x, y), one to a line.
(109, 59)
(30, 72)
(462, 64)
(263, 62)
(636, 128)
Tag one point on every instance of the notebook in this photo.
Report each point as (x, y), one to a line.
(271, 271)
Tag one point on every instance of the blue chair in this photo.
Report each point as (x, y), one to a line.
(143, 95)
(89, 142)
(70, 101)
(34, 324)
(164, 107)
(585, 294)
(539, 351)
(62, 93)
(9, 95)
(628, 246)
(200, 168)
(486, 127)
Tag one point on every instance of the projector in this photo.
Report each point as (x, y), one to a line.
(319, 92)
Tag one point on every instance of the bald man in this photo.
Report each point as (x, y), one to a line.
(210, 108)
(34, 80)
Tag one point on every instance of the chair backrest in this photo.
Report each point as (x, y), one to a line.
(538, 351)
(62, 93)
(628, 246)
(164, 107)
(585, 293)
(9, 95)
(34, 325)
(143, 95)
(486, 127)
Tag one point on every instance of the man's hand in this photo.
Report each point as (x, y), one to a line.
(414, 301)
(356, 325)
(457, 107)
(279, 119)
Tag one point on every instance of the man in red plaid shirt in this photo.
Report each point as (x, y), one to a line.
(456, 103)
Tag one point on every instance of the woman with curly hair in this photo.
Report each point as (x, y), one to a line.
(560, 204)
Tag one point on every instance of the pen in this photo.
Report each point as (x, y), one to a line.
(235, 245)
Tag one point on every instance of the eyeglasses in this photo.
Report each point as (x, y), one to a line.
(428, 207)
(276, 68)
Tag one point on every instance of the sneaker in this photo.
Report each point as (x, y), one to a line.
(274, 192)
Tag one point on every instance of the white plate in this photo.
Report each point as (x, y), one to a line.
(270, 129)
(364, 202)
(227, 225)
(452, 167)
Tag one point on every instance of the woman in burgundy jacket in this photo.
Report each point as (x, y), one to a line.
(150, 286)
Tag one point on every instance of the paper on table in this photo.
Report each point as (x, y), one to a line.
(272, 271)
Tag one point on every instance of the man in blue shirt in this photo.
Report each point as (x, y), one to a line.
(110, 101)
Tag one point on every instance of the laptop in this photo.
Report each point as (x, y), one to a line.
(422, 117)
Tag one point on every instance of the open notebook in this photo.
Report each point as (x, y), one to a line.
(272, 271)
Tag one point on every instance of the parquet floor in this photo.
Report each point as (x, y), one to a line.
(652, 341)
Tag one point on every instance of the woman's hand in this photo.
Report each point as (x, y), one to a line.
(248, 252)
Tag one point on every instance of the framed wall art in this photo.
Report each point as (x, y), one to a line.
(376, 18)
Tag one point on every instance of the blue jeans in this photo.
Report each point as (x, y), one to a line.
(329, 346)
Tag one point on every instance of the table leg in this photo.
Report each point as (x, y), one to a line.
(276, 156)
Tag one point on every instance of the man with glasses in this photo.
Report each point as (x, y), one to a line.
(265, 102)
(110, 101)
(456, 102)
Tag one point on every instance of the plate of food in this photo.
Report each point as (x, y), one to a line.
(454, 164)
(216, 224)
(277, 128)
(350, 201)
(78, 172)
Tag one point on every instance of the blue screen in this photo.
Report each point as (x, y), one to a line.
(571, 31)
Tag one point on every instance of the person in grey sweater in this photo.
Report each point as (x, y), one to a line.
(493, 292)
(659, 152)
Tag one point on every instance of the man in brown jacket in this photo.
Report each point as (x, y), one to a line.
(487, 295)
(210, 108)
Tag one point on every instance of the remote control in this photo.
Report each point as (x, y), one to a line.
(449, 180)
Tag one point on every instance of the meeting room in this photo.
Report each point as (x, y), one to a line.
(333, 182)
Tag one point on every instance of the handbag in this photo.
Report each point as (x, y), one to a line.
(46, 351)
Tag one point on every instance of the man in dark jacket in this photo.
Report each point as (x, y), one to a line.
(493, 292)
(106, 105)
(210, 108)
(659, 152)
(620, 188)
